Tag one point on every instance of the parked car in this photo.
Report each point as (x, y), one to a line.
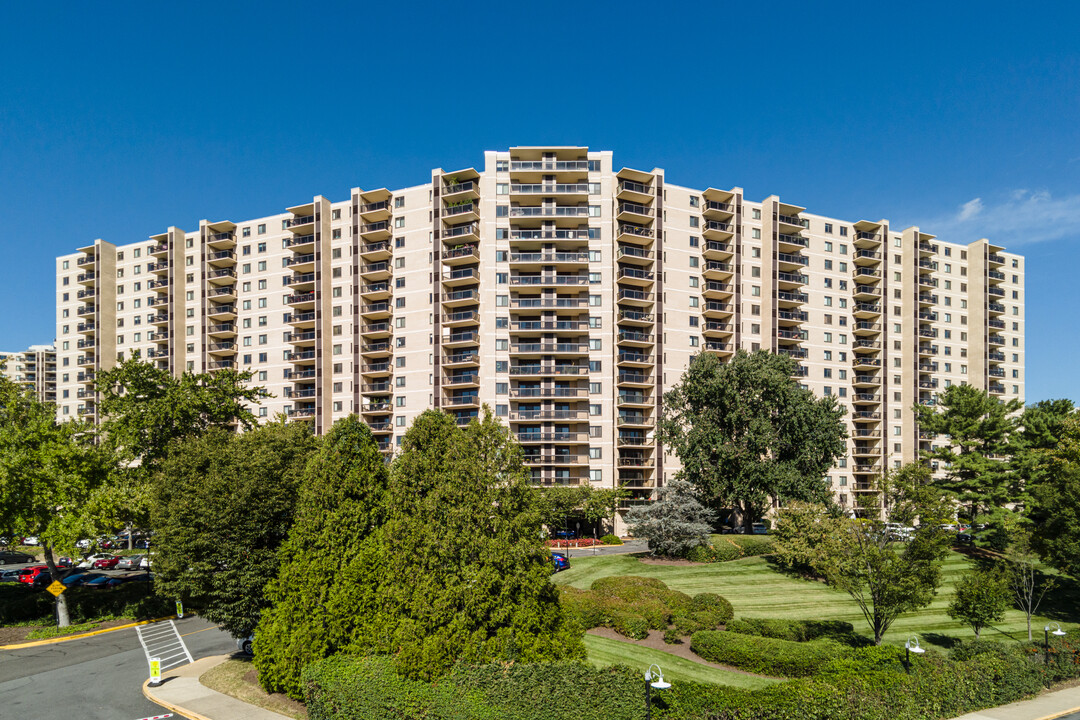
(564, 534)
(42, 580)
(31, 540)
(64, 562)
(89, 560)
(106, 563)
(76, 577)
(84, 544)
(560, 561)
(9, 576)
(244, 644)
(144, 564)
(27, 574)
(101, 581)
(759, 529)
(12, 557)
(131, 562)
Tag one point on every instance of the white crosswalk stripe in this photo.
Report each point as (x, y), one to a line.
(162, 641)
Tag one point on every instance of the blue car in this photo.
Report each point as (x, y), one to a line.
(560, 561)
(101, 581)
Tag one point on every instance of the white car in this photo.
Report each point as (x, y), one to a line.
(32, 540)
(83, 544)
(89, 560)
(144, 564)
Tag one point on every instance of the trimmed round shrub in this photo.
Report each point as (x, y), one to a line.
(610, 539)
(792, 630)
(708, 619)
(630, 625)
(672, 637)
(766, 656)
(753, 545)
(713, 603)
(702, 554)
(581, 605)
(726, 549)
(639, 590)
(687, 625)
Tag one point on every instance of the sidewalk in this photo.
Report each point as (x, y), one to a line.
(1045, 707)
(182, 693)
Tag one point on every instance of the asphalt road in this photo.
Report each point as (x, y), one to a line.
(631, 546)
(99, 678)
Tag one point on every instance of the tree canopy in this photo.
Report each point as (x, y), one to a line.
(1055, 507)
(49, 474)
(674, 524)
(222, 505)
(444, 561)
(981, 437)
(747, 434)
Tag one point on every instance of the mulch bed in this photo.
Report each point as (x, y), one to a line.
(655, 641)
(667, 561)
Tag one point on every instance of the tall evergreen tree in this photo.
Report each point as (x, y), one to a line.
(331, 563)
(979, 433)
(747, 435)
(1055, 507)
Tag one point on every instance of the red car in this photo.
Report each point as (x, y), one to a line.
(106, 563)
(27, 575)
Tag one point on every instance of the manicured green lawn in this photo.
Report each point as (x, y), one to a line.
(603, 652)
(756, 589)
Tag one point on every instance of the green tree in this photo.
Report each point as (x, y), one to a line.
(145, 409)
(901, 495)
(1027, 582)
(981, 432)
(1055, 507)
(468, 578)
(330, 567)
(674, 524)
(748, 436)
(855, 556)
(581, 501)
(982, 596)
(49, 472)
(222, 505)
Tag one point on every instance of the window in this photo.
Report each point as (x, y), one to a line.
(694, 241)
(262, 229)
(843, 231)
(828, 228)
(399, 222)
(595, 409)
(755, 233)
(693, 261)
(757, 214)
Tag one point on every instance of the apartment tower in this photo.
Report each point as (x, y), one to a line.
(566, 295)
(34, 369)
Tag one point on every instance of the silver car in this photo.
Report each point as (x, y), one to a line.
(131, 562)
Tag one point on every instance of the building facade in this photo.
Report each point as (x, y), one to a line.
(567, 295)
(34, 369)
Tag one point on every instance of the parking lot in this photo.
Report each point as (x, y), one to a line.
(119, 574)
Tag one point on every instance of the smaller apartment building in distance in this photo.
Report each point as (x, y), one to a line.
(34, 369)
(567, 295)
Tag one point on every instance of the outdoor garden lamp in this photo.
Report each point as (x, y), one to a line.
(650, 683)
(659, 683)
(1047, 632)
(911, 645)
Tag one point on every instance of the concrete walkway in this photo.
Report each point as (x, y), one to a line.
(1045, 707)
(182, 693)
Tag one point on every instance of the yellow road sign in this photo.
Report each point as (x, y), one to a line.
(56, 588)
(155, 671)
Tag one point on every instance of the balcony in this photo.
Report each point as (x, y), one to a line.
(792, 220)
(301, 319)
(794, 316)
(791, 297)
(549, 280)
(714, 206)
(549, 392)
(632, 378)
(716, 250)
(461, 338)
(627, 337)
(717, 229)
(465, 317)
(792, 352)
(549, 258)
(866, 380)
(635, 234)
(461, 255)
(529, 370)
(529, 437)
(463, 358)
(299, 243)
(86, 278)
(929, 248)
(460, 297)
(372, 272)
(715, 270)
(636, 297)
(996, 259)
(532, 415)
(461, 276)
(375, 291)
(305, 337)
(996, 308)
(302, 281)
(634, 212)
(549, 325)
(928, 299)
(550, 211)
(303, 301)
(548, 348)
(867, 257)
(375, 310)
(301, 355)
(995, 340)
(928, 349)
(375, 368)
(222, 277)
(635, 317)
(634, 276)
(549, 189)
(86, 310)
(629, 190)
(995, 356)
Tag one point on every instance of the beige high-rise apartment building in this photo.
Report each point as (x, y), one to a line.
(34, 369)
(566, 295)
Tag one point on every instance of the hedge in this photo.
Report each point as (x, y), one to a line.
(350, 688)
(793, 630)
(763, 655)
(859, 684)
(19, 604)
(725, 548)
(610, 539)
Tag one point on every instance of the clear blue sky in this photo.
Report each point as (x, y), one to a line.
(118, 120)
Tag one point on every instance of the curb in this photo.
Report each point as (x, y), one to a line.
(190, 714)
(1063, 713)
(80, 636)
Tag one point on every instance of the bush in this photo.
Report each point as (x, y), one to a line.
(347, 688)
(630, 625)
(673, 636)
(753, 545)
(726, 549)
(581, 605)
(792, 630)
(702, 554)
(766, 656)
(713, 603)
(610, 539)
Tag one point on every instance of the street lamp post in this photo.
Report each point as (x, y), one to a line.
(911, 647)
(1046, 639)
(650, 683)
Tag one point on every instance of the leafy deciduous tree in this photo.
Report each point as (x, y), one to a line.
(49, 471)
(1027, 583)
(747, 435)
(222, 505)
(1055, 510)
(855, 556)
(982, 596)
